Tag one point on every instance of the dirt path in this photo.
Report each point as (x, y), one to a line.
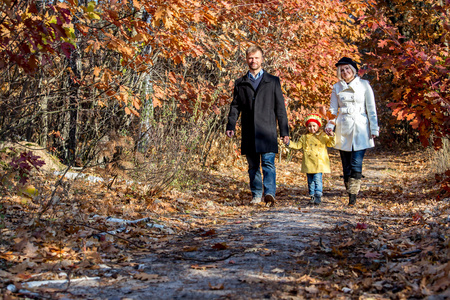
(259, 260)
(290, 251)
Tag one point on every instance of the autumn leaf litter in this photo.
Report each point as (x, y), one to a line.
(207, 243)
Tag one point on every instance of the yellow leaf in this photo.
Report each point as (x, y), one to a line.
(91, 6)
(53, 20)
(29, 191)
(93, 16)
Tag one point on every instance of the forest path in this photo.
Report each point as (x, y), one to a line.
(290, 251)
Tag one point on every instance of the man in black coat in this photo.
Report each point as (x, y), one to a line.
(257, 96)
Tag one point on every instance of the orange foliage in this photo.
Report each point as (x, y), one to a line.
(196, 47)
(411, 63)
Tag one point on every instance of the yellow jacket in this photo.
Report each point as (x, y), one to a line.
(315, 155)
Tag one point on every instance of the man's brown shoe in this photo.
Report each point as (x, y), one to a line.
(270, 200)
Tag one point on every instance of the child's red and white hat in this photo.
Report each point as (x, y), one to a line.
(313, 118)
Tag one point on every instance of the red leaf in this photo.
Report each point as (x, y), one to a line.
(67, 49)
(361, 226)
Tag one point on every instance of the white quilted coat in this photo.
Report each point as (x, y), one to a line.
(356, 122)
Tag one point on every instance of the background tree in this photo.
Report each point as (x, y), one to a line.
(76, 74)
(407, 54)
(118, 54)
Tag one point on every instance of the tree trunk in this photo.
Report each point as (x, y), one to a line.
(44, 109)
(75, 65)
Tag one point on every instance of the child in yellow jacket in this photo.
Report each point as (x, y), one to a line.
(315, 156)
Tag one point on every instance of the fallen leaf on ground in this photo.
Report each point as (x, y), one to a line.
(209, 233)
(216, 287)
(276, 270)
(372, 254)
(220, 246)
(190, 248)
(324, 271)
(145, 276)
(312, 289)
(154, 278)
(197, 267)
(361, 226)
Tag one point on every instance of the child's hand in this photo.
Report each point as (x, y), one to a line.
(329, 131)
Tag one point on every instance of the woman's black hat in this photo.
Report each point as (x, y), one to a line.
(347, 61)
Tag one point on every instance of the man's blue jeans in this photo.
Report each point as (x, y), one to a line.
(266, 161)
(315, 185)
(352, 163)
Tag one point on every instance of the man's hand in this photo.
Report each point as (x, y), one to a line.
(230, 133)
(285, 139)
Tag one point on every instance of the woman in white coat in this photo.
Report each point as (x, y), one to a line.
(355, 125)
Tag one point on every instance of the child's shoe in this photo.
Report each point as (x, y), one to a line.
(311, 202)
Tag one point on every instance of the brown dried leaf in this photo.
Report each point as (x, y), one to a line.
(312, 289)
(220, 246)
(190, 248)
(31, 250)
(216, 287)
(324, 271)
(197, 267)
(154, 278)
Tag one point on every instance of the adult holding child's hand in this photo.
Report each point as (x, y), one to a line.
(356, 125)
(258, 100)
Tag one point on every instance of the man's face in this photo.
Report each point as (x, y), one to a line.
(254, 61)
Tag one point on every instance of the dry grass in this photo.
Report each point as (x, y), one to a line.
(441, 159)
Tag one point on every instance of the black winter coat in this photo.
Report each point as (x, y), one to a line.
(260, 111)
